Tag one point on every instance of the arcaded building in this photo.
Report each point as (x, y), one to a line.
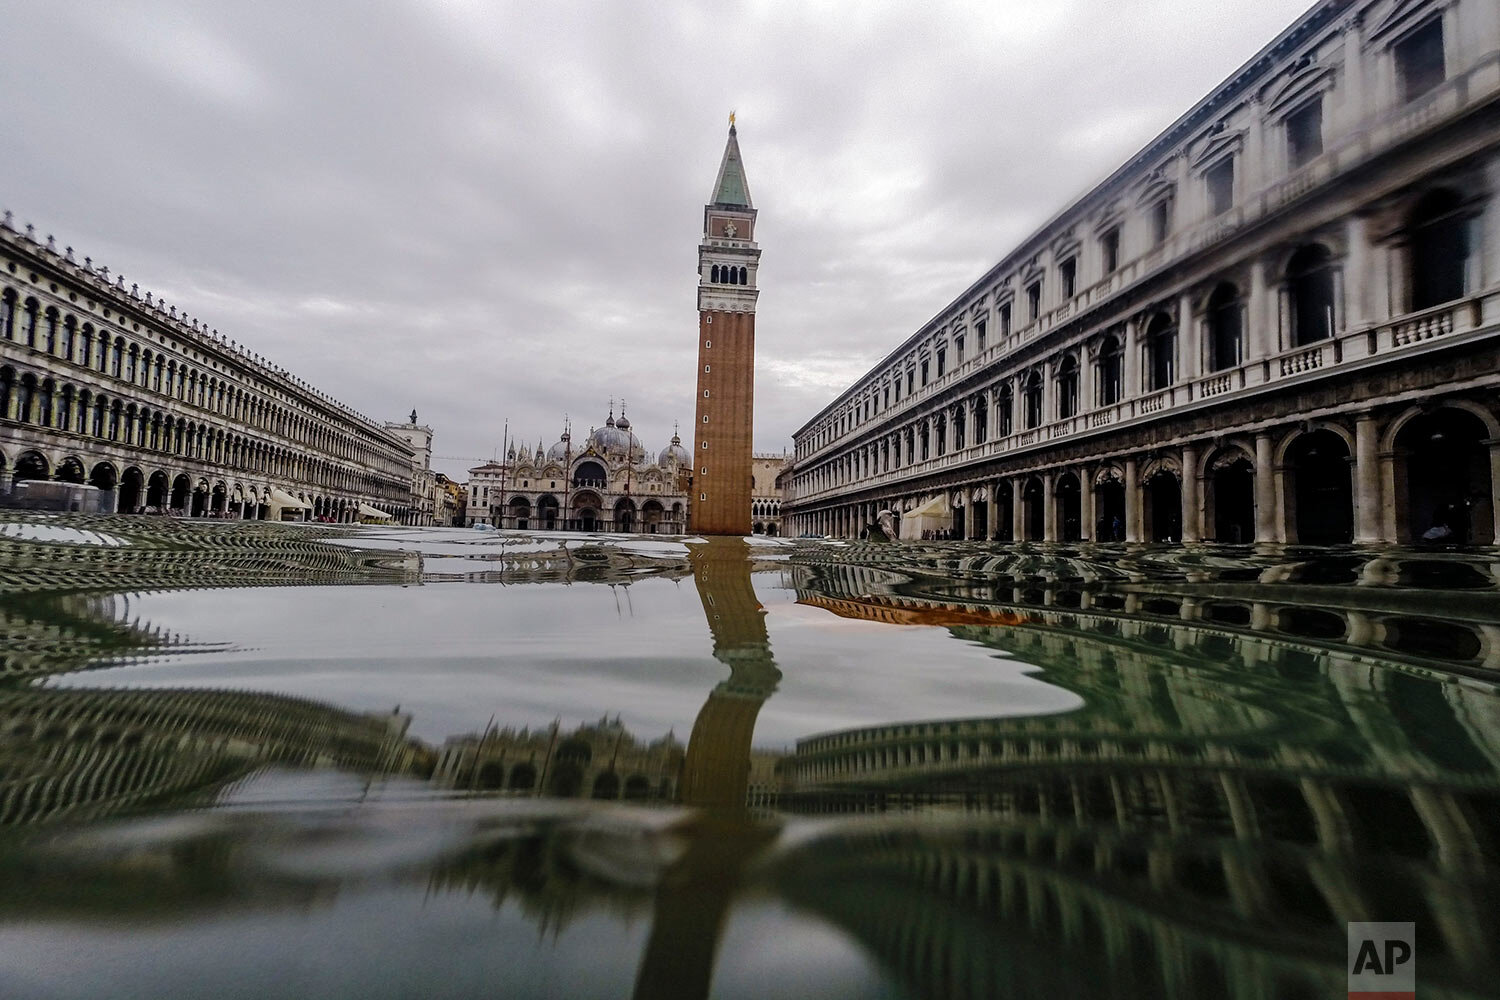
(1276, 322)
(104, 387)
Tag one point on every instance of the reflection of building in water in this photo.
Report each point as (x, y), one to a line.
(74, 754)
(599, 761)
(1279, 783)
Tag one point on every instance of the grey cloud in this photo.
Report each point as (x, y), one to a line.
(490, 211)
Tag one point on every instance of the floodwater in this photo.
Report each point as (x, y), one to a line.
(249, 760)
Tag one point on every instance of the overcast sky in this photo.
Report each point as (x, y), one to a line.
(491, 210)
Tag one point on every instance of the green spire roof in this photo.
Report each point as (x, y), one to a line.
(731, 188)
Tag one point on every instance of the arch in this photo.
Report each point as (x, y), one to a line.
(546, 512)
(1319, 501)
(132, 489)
(1067, 387)
(1004, 411)
(1031, 398)
(70, 470)
(624, 514)
(1069, 508)
(31, 465)
(519, 512)
(1310, 294)
(1161, 352)
(652, 516)
(1162, 504)
(156, 491)
(1437, 249)
(1109, 504)
(566, 780)
(491, 776)
(522, 777)
(637, 787)
(105, 478)
(1111, 381)
(182, 488)
(1441, 474)
(1229, 495)
(606, 786)
(1034, 510)
(1225, 321)
(220, 498)
(589, 473)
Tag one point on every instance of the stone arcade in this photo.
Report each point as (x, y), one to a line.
(1275, 323)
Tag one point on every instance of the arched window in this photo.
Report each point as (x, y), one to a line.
(1309, 277)
(958, 427)
(1161, 352)
(1225, 337)
(942, 434)
(28, 322)
(1005, 410)
(1111, 371)
(926, 452)
(70, 334)
(1067, 388)
(1439, 249)
(981, 420)
(49, 342)
(714, 274)
(911, 446)
(8, 315)
(744, 276)
(1032, 399)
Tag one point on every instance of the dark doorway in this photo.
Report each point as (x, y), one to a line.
(181, 487)
(981, 517)
(1232, 480)
(156, 490)
(1034, 510)
(1164, 507)
(1446, 468)
(31, 465)
(1005, 517)
(103, 477)
(131, 485)
(958, 522)
(1069, 508)
(1109, 502)
(1324, 504)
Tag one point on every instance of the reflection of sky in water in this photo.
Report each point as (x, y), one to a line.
(453, 654)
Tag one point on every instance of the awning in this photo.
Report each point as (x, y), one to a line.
(281, 498)
(365, 510)
(936, 507)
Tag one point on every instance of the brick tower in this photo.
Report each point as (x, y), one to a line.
(727, 261)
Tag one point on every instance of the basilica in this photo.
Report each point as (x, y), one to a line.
(606, 482)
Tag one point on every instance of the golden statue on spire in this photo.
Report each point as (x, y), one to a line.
(731, 119)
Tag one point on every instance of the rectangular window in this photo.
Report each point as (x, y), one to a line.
(1419, 60)
(1069, 271)
(1033, 301)
(979, 331)
(942, 360)
(1109, 248)
(910, 382)
(1005, 320)
(958, 350)
(1304, 134)
(1161, 221)
(924, 372)
(1219, 180)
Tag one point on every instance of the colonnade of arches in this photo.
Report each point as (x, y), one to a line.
(1425, 473)
(132, 489)
(588, 510)
(1291, 299)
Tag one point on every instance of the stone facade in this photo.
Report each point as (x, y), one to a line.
(607, 482)
(1277, 322)
(765, 493)
(426, 497)
(728, 262)
(101, 385)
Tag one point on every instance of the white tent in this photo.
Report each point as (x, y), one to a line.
(934, 515)
(281, 501)
(373, 513)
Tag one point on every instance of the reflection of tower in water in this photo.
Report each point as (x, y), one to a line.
(694, 897)
(717, 770)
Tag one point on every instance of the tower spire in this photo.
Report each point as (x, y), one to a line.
(730, 187)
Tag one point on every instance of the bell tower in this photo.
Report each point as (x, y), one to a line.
(728, 258)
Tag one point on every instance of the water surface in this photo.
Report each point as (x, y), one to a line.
(251, 760)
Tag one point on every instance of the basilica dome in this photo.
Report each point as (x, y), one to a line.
(616, 438)
(562, 450)
(674, 454)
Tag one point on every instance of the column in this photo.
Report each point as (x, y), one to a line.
(1265, 492)
(992, 512)
(1085, 504)
(1132, 387)
(1357, 274)
(1366, 479)
(1489, 239)
(1260, 338)
(1049, 508)
(1189, 340)
(1132, 502)
(1192, 515)
(1017, 511)
(1495, 485)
